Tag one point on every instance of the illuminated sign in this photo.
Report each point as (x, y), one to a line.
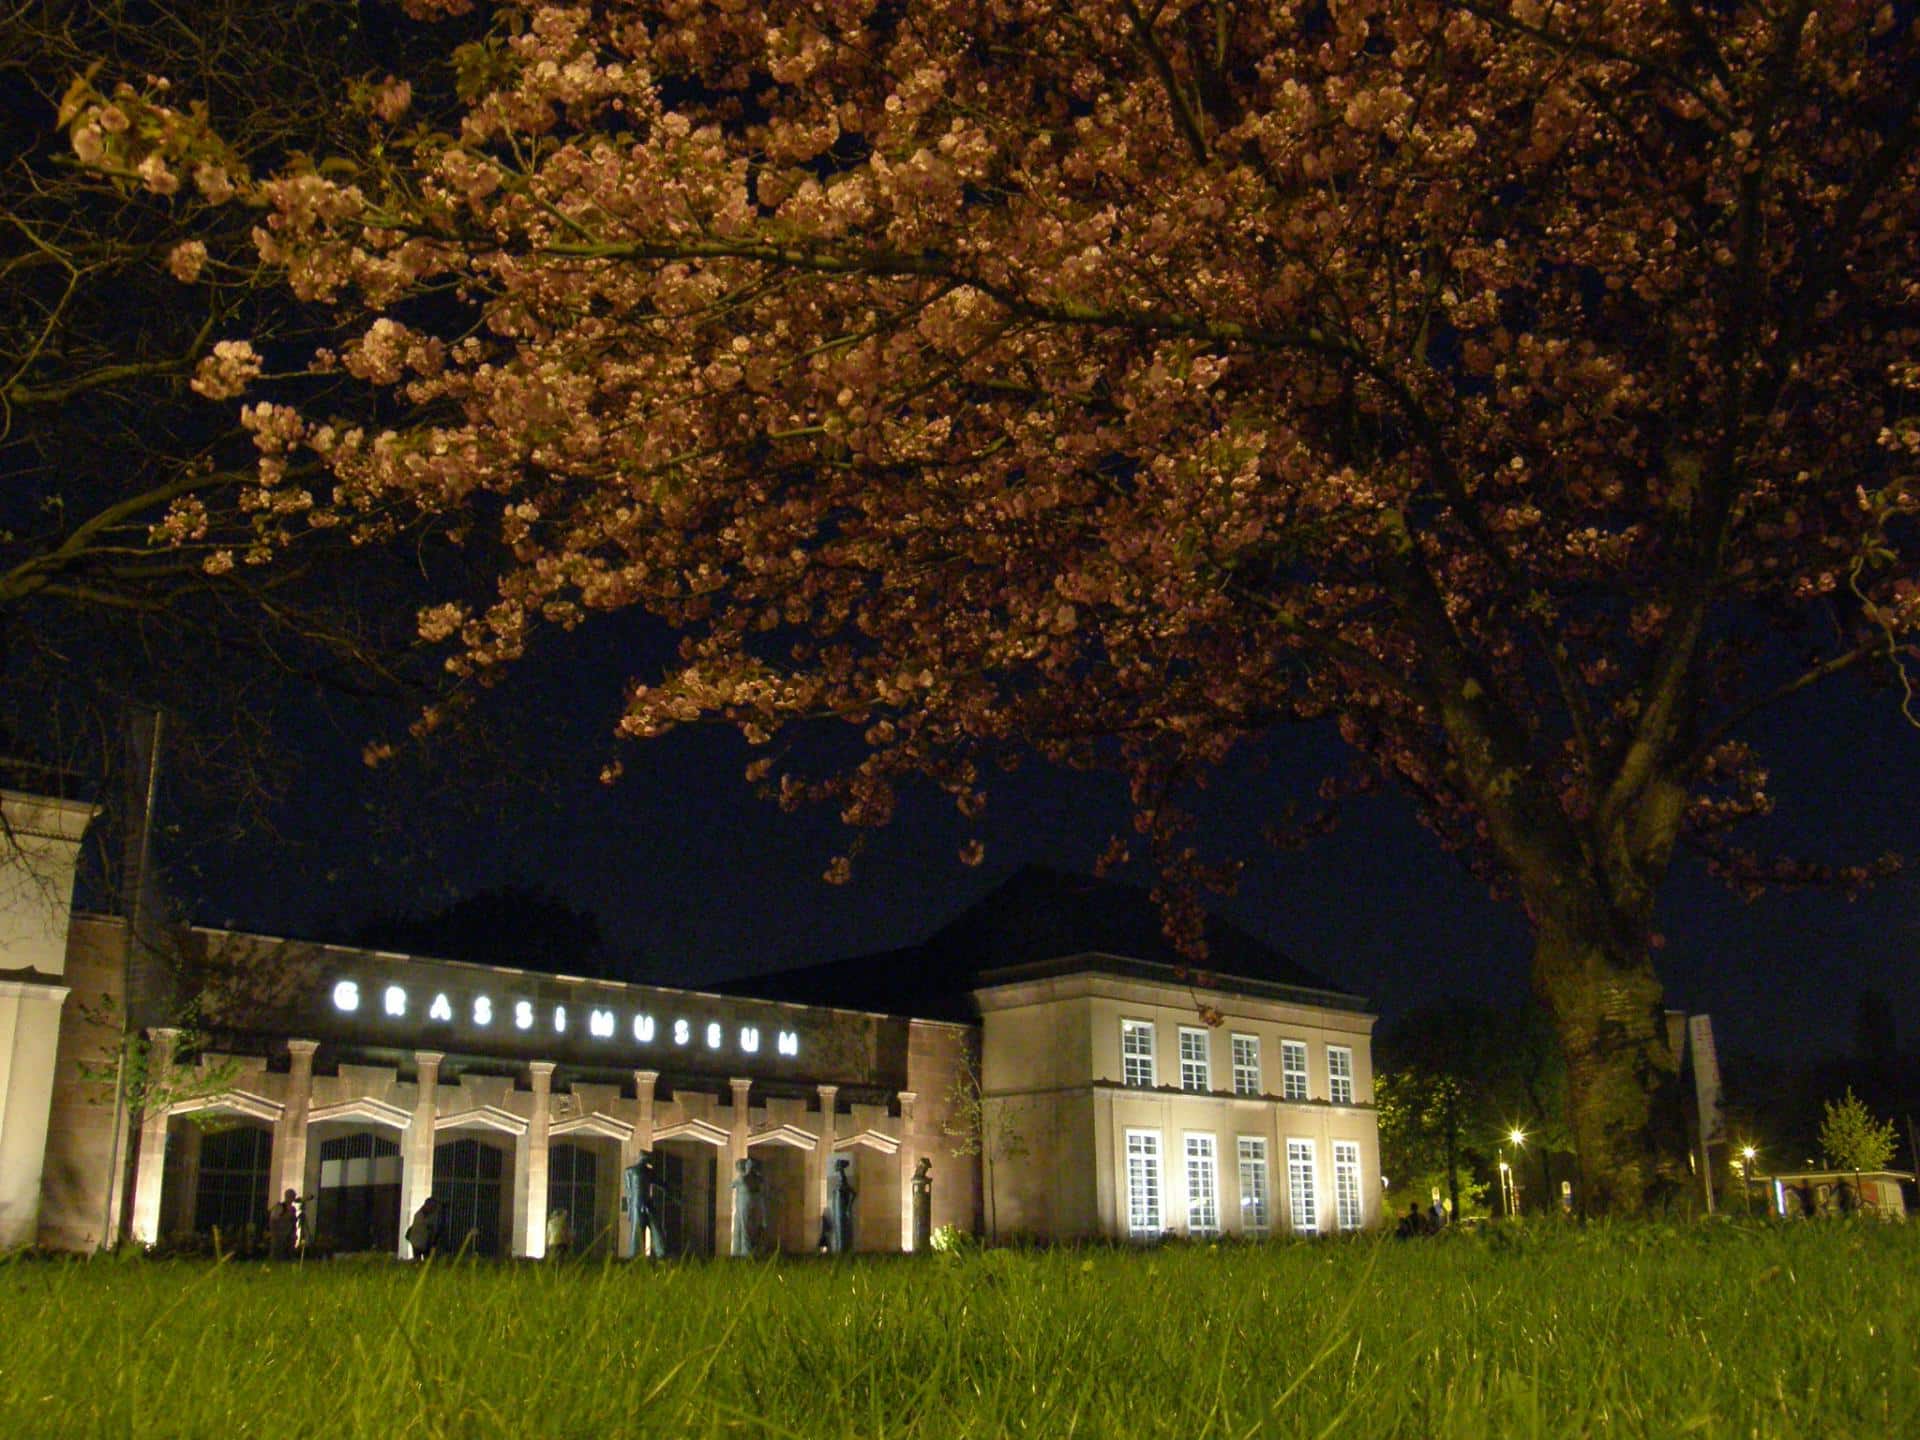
(602, 1023)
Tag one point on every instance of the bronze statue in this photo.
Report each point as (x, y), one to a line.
(840, 1198)
(644, 1199)
(922, 1186)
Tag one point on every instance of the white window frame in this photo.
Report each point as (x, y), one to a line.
(1246, 1064)
(1303, 1200)
(1340, 1074)
(1132, 1059)
(1203, 1185)
(1256, 1187)
(1145, 1191)
(1196, 1071)
(1293, 1078)
(1348, 1210)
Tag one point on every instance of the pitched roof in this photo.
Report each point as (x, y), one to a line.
(1037, 914)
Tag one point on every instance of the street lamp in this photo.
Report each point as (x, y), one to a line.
(1748, 1154)
(1519, 1139)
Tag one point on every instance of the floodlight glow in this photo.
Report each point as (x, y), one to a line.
(1747, 1153)
(441, 1009)
(600, 1023)
(346, 995)
(482, 1010)
(1518, 1137)
(395, 1000)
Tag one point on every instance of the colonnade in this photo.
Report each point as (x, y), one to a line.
(634, 1126)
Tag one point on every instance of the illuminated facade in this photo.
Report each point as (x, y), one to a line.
(367, 1081)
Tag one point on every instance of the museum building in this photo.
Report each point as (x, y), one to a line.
(1120, 1095)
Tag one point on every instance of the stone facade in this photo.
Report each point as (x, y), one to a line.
(366, 1082)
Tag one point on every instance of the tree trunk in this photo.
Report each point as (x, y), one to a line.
(1623, 1080)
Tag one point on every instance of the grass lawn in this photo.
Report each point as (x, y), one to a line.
(1723, 1330)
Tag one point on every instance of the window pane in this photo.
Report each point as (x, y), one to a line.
(1306, 1211)
(1246, 1065)
(1253, 1187)
(1136, 1053)
(1340, 1074)
(1293, 1069)
(1346, 1183)
(1193, 1060)
(1143, 1185)
(1203, 1209)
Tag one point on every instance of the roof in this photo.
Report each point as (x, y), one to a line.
(1036, 916)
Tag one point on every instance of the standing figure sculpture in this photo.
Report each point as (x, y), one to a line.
(749, 1206)
(840, 1198)
(424, 1233)
(922, 1205)
(644, 1198)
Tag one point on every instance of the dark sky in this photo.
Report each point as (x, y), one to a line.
(682, 866)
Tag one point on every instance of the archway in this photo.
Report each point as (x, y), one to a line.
(470, 1174)
(793, 1209)
(218, 1176)
(354, 1169)
(689, 1156)
(875, 1173)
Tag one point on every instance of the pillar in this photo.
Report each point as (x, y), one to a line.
(736, 1152)
(416, 1146)
(823, 1152)
(909, 1153)
(149, 1175)
(290, 1130)
(644, 1082)
(531, 1171)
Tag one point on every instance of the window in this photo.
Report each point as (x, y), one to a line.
(234, 1180)
(572, 1176)
(1300, 1197)
(1143, 1184)
(1346, 1184)
(1340, 1074)
(1193, 1060)
(1254, 1212)
(1136, 1053)
(1293, 1069)
(1203, 1204)
(1246, 1065)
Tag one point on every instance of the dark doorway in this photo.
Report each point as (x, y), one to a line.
(688, 1169)
(466, 1182)
(573, 1186)
(358, 1206)
(230, 1192)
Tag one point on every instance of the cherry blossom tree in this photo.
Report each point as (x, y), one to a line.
(1526, 387)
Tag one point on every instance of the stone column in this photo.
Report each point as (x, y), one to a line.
(416, 1146)
(533, 1176)
(909, 1152)
(149, 1174)
(823, 1152)
(736, 1152)
(642, 1139)
(290, 1130)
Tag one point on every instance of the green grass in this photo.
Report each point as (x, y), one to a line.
(1726, 1330)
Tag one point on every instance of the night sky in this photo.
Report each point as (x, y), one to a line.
(692, 879)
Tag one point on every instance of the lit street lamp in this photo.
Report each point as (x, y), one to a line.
(1747, 1156)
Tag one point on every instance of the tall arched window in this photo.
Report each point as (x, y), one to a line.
(231, 1190)
(572, 1172)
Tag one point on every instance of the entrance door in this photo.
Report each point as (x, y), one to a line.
(358, 1207)
(466, 1182)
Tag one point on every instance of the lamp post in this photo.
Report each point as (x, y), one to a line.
(1747, 1157)
(1519, 1139)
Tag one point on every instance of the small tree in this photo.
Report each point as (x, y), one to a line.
(1852, 1139)
(992, 1127)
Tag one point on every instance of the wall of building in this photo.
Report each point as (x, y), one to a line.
(75, 1185)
